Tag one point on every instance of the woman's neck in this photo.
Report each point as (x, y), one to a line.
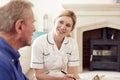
(58, 41)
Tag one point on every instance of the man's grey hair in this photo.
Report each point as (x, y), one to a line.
(13, 11)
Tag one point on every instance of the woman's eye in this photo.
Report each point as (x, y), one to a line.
(61, 22)
(68, 25)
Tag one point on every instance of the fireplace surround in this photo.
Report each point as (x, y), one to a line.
(93, 16)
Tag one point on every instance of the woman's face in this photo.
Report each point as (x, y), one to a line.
(63, 26)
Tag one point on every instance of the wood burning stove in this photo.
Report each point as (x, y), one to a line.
(105, 52)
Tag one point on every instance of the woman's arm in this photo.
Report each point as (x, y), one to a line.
(74, 71)
(40, 75)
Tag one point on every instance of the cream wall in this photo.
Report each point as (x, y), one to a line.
(51, 7)
(88, 1)
(41, 7)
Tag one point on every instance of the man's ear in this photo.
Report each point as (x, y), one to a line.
(18, 25)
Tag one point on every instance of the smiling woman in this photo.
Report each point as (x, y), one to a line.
(54, 52)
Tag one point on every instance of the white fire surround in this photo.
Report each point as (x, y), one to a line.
(93, 16)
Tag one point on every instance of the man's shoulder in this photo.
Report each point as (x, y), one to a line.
(4, 61)
(5, 69)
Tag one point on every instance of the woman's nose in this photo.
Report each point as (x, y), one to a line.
(63, 26)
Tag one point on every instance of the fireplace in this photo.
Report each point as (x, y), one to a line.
(105, 50)
(91, 17)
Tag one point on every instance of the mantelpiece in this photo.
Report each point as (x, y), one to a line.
(93, 16)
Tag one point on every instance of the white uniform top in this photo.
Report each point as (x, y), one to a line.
(45, 54)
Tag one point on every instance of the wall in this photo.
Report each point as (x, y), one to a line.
(41, 7)
(88, 1)
(51, 7)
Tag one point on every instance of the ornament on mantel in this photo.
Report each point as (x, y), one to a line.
(45, 22)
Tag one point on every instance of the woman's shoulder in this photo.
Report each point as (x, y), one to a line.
(71, 40)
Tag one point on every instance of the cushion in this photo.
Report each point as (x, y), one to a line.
(25, 58)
